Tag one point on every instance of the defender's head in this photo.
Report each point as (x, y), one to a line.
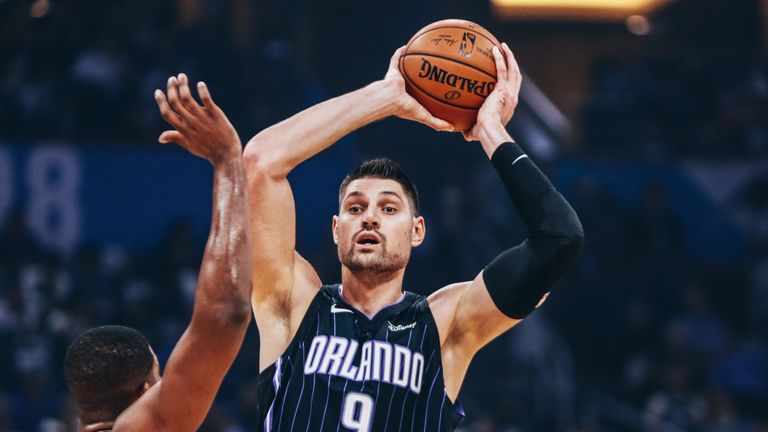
(107, 369)
(378, 222)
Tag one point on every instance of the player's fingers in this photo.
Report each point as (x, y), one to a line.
(165, 110)
(187, 100)
(395, 60)
(170, 136)
(516, 77)
(501, 66)
(435, 123)
(439, 124)
(205, 96)
(174, 99)
(512, 66)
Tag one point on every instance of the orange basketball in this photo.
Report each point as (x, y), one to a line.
(448, 67)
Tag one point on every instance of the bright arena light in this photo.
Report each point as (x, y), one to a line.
(597, 10)
(638, 25)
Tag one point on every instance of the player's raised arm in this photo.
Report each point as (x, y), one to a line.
(285, 284)
(471, 314)
(221, 314)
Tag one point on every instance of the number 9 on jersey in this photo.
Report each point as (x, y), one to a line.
(357, 412)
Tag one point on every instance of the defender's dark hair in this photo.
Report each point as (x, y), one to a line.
(383, 168)
(106, 368)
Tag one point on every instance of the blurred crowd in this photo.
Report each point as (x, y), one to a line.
(86, 71)
(642, 334)
(59, 71)
(667, 107)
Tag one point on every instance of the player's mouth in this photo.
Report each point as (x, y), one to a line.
(367, 239)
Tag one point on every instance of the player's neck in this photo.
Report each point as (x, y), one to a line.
(369, 293)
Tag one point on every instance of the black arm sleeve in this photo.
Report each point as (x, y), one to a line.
(519, 277)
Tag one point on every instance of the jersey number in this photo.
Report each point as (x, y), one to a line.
(357, 412)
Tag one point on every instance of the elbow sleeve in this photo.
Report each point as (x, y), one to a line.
(520, 277)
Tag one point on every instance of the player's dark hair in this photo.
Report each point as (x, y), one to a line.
(383, 168)
(106, 368)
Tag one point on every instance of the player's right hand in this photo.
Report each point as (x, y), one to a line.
(406, 106)
(499, 106)
(202, 130)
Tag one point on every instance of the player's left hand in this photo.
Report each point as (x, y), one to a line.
(202, 130)
(498, 108)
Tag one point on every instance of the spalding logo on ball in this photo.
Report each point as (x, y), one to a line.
(448, 67)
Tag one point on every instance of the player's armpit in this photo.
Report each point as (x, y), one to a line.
(467, 319)
(279, 318)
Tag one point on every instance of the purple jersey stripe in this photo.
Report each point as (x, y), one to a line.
(442, 404)
(325, 410)
(276, 385)
(301, 392)
(426, 417)
(285, 394)
(314, 380)
(389, 409)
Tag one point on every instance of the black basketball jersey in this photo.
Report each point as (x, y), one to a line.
(344, 371)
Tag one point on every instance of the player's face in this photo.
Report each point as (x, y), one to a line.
(376, 228)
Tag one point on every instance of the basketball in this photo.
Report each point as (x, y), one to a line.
(449, 68)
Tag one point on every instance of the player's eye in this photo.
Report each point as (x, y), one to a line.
(355, 209)
(390, 210)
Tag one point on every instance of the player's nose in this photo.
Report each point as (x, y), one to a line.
(370, 217)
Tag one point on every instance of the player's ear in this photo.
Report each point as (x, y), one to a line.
(334, 225)
(419, 231)
(154, 375)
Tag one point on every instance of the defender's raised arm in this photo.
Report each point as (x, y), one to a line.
(201, 358)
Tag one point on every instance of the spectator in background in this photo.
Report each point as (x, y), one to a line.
(742, 372)
(704, 333)
(677, 404)
(33, 402)
(723, 415)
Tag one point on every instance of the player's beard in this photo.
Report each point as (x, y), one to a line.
(373, 263)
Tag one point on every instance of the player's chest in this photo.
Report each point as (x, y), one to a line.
(403, 329)
(350, 347)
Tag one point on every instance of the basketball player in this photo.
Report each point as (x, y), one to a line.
(365, 355)
(112, 371)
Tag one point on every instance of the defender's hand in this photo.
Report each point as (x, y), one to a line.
(202, 130)
(498, 108)
(407, 107)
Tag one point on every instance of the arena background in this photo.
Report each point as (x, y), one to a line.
(655, 128)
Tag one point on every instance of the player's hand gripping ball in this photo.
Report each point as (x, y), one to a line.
(448, 67)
